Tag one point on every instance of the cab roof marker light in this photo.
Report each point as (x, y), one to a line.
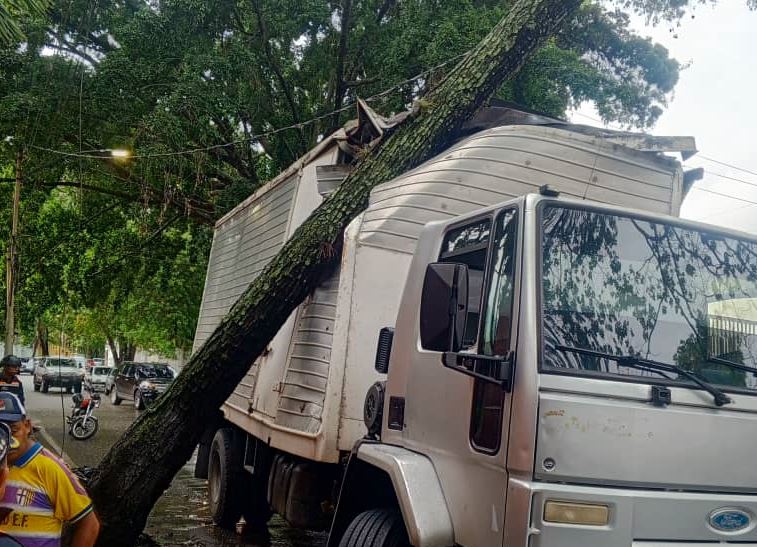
(565, 512)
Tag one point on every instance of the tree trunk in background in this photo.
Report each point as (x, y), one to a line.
(141, 465)
(40, 339)
(114, 350)
(128, 350)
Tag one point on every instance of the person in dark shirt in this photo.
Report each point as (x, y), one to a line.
(9, 380)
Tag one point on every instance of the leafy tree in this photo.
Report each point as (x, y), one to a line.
(10, 13)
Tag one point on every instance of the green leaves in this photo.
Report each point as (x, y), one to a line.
(11, 11)
(211, 74)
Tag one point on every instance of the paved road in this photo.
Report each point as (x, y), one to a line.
(181, 515)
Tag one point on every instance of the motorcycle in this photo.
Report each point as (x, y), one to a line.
(82, 424)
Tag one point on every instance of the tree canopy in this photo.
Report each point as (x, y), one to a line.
(212, 98)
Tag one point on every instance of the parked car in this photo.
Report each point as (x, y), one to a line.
(80, 361)
(110, 379)
(34, 362)
(96, 377)
(27, 365)
(94, 362)
(53, 372)
(141, 383)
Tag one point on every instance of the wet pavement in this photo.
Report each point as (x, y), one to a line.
(181, 516)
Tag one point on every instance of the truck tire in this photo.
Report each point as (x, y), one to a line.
(225, 484)
(45, 386)
(376, 528)
(114, 398)
(36, 386)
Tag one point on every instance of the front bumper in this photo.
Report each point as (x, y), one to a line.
(150, 395)
(63, 381)
(638, 518)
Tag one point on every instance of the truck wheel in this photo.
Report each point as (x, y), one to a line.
(114, 398)
(376, 528)
(36, 386)
(45, 386)
(225, 487)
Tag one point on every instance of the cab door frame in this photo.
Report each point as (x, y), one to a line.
(474, 481)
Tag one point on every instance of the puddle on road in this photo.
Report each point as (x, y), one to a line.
(182, 518)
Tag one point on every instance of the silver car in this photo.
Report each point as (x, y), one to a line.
(96, 378)
(53, 372)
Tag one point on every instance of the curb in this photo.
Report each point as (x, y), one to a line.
(47, 440)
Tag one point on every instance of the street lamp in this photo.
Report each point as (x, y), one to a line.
(115, 153)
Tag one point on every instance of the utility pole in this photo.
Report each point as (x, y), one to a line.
(11, 262)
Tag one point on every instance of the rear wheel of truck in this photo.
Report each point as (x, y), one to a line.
(114, 398)
(225, 484)
(376, 528)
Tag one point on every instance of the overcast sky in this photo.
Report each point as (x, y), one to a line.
(716, 102)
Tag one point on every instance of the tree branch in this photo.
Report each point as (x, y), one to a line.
(276, 69)
(83, 186)
(339, 87)
(385, 7)
(169, 428)
(65, 45)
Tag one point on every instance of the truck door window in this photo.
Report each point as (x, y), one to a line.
(469, 245)
(488, 398)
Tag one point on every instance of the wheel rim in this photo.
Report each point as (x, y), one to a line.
(214, 478)
(81, 430)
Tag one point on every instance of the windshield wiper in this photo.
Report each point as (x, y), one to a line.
(641, 363)
(732, 364)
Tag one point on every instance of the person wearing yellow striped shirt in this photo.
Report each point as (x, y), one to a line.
(41, 492)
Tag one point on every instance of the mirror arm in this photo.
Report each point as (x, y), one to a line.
(469, 363)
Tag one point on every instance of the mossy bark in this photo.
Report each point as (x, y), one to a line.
(141, 465)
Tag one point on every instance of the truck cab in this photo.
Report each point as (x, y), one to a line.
(563, 373)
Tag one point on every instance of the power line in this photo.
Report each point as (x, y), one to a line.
(722, 176)
(698, 156)
(724, 211)
(256, 137)
(729, 196)
(725, 164)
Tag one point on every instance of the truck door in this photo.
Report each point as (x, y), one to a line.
(461, 422)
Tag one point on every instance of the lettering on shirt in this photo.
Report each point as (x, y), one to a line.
(17, 520)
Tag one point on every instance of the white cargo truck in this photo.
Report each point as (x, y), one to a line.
(521, 346)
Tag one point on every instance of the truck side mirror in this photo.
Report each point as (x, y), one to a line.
(444, 306)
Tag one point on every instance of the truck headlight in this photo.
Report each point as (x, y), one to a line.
(566, 512)
(147, 385)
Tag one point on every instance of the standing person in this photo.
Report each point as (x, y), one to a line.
(10, 380)
(41, 493)
(7, 443)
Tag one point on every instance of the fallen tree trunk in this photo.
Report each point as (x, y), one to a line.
(141, 465)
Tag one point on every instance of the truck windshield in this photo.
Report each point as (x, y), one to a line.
(625, 286)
